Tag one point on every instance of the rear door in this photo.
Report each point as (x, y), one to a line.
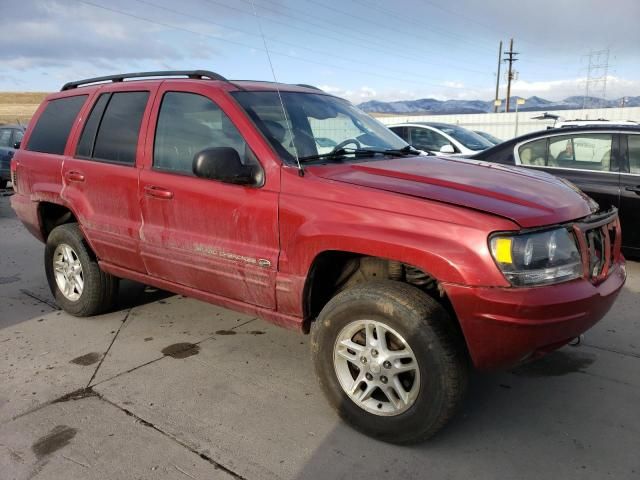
(101, 179)
(630, 193)
(589, 160)
(40, 161)
(212, 236)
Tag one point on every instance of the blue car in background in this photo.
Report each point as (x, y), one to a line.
(9, 136)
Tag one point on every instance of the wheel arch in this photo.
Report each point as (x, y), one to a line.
(333, 271)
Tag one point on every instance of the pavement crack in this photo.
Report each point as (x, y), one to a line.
(612, 350)
(67, 397)
(146, 423)
(39, 298)
(133, 369)
(124, 321)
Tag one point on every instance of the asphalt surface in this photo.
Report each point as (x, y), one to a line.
(170, 387)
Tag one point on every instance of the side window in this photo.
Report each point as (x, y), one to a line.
(52, 130)
(189, 123)
(426, 139)
(581, 152)
(117, 137)
(533, 153)
(401, 132)
(18, 135)
(634, 153)
(5, 137)
(88, 137)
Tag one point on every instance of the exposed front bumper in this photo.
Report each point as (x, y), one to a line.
(504, 326)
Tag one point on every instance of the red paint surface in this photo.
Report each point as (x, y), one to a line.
(203, 238)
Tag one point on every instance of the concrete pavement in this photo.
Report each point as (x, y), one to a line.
(169, 387)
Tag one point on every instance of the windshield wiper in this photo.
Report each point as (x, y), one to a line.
(361, 152)
(333, 155)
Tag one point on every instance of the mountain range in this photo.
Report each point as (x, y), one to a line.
(431, 106)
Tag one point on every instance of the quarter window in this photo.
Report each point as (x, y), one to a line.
(117, 137)
(401, 132)
(51, 132)
(189, 123)
(533, 153)
(634, 153)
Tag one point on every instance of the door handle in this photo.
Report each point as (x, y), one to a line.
(158, 192)
(74, 176)
(635, 189)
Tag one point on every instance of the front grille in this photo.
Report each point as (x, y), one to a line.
(14, 179)
(596, 251)
(599, 242)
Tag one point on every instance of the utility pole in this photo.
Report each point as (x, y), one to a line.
(495, 102)
(510, 57)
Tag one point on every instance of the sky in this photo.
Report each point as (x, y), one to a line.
(359, 49)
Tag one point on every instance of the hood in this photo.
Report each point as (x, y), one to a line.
(528, 197)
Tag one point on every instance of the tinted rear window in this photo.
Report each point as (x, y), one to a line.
(52, 130)
(117, 138)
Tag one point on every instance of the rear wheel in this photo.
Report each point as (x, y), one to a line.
(388, 361)
(75, 279)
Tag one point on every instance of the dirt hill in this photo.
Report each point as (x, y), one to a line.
(19, 106)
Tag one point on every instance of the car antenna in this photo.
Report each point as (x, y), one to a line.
(273, 73)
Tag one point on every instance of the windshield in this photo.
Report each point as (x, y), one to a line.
(469, 139)
(317, 124)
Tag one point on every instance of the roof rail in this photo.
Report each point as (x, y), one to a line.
(308, 86)
(199, 74)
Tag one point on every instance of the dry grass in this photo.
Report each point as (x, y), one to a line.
(19, 106)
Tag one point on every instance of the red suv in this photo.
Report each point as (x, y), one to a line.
(292, 205)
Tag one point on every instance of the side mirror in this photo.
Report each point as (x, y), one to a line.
(17, 145)
(223, 164)
(448, 148)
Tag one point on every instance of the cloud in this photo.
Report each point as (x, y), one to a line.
(49, 33)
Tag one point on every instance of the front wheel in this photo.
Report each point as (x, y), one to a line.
(75, 279)
(389, 362)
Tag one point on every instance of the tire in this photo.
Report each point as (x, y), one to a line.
(434, 390)
(99, 289)
(4, 183)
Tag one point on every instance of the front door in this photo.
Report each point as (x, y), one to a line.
(216, 237)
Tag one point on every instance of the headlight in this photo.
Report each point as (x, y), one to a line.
(537, 258)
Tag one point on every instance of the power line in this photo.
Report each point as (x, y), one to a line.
(379, 46)
(404, 19)
(253, 47)
(273, 40)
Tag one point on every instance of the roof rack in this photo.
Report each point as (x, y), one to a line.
(308, 86)
(198, 74)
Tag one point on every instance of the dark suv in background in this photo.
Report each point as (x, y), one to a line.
(602, 160)
(9, 136)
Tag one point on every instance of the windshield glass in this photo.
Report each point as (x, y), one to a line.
(317, 124)
(469, 139)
